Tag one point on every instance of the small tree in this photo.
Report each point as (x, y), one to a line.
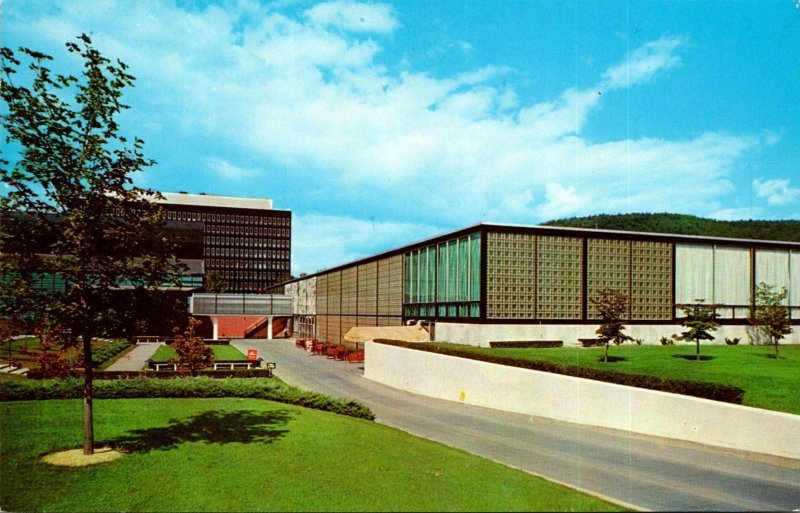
(699, 321)
(193, 354)
(611, 305)
(771, 316)
(49, 359)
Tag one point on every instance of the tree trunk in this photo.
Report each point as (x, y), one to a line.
(88, 418)
(698, 350)
(605, 358)
(776, 348)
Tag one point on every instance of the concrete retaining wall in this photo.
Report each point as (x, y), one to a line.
(584, 401)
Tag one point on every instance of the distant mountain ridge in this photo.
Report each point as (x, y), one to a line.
(686, 225)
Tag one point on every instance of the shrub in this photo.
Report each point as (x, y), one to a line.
(197, 387)
(714, 391)
(666, 341)
(733, 342)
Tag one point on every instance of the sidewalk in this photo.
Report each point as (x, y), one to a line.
(135, 360)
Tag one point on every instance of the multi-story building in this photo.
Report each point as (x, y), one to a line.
(492, 282)
(246, 243)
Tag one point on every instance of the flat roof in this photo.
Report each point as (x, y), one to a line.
(558, 230)
(209, 200)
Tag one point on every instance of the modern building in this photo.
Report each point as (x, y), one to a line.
(494, 282)
(246, 243)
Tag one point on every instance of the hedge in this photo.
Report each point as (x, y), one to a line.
(705, 390)
(185, 387)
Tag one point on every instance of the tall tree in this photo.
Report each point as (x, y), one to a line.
(699, 321)
(74, 227)
(612, 306)
(771, 316)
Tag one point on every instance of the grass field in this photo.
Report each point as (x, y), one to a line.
(768, 383)
(221, 352)
(251, 455)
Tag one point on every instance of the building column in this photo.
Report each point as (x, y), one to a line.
(215, 330)
(269, 327)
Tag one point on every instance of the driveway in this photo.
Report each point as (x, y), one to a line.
(638, 471)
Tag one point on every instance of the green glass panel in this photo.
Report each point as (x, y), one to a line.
(475, 268)
(452, 270)
(441, 270)
(463, 269)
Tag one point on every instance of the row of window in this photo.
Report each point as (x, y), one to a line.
(236, 263)
(247, 253)
(246, 242)
(260, 277)
(262, 220)
(264, 231)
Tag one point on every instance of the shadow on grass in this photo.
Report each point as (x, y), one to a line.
(693, 357)
(769, 356)
(612, 359)
(213, 427)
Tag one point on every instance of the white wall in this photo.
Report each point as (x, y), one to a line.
(584, 401)
(482, 334)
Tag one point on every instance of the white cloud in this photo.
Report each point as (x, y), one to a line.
(305, 93)
(737, 214)
(228, 171)
(560, 201)
(643, 63)
(321, 241)
(354, 16)
(776, 192)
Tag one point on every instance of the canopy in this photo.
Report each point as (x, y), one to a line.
(415, 333)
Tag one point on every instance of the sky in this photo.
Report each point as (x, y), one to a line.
(379, 124)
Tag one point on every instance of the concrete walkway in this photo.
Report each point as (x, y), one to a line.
(638, 471)
(135, 360)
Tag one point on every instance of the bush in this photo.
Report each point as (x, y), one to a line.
(197, 387)
(733, 342)
(713, 391)
(108, 351)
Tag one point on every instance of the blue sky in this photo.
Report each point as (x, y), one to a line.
(380, 123)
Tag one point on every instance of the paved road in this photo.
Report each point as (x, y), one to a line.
(134, 361)
(634, 470)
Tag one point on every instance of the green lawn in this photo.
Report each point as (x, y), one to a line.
(251, 455)
(768, 383)
(221, 352)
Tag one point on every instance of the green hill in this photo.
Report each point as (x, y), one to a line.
(686, 225)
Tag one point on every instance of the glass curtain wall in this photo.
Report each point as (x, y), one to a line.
(443, 280)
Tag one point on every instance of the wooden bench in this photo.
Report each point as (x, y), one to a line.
(164, 366)
(149, 339)
(527, 343)
(233, 364)
(590, 342)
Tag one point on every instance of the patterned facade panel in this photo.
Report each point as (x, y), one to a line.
(511, 276)
(367, 320)
(732, 281)
(334, 329)
(335, 292)
(389, 321)
(310, 295)
(651, 280)
(390, 286)
(349, 291)
(772, 268)
(322, 294)
(694, 274)
(607, 268)
(322, 327)
(368, 288)
(347, 322)
(559, 263)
